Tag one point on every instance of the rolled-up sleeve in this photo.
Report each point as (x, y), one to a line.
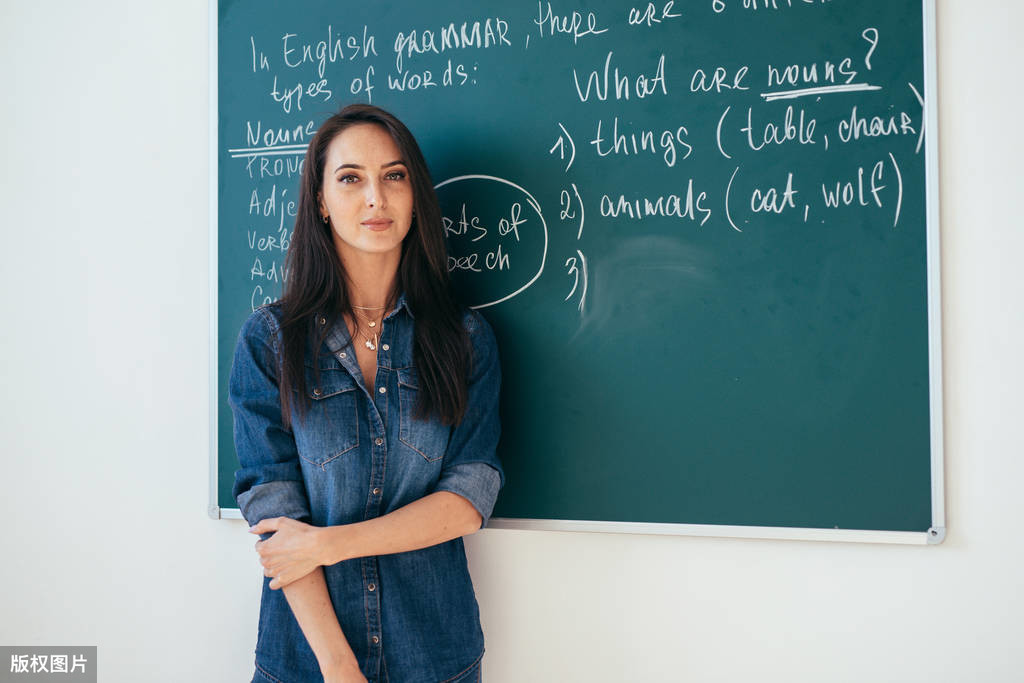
(269, 481)
(471, 466)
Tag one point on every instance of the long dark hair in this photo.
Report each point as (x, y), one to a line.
(317, 282)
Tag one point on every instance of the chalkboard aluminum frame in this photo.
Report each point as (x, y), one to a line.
(934, 535)
(213, 507)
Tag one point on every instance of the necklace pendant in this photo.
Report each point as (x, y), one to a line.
(369, 345)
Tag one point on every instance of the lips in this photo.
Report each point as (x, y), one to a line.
(377, 223)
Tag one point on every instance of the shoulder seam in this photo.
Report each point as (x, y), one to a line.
(272, 325)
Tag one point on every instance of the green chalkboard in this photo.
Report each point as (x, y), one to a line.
(703, 232)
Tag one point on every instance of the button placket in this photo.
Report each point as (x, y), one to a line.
(383, 367)
(378, 458)
(372, 601)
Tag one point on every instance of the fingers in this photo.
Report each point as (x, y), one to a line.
(276, 579)
(265, 526)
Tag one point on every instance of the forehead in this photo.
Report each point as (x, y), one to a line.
(364, 144)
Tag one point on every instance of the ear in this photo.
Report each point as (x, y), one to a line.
(320, 203)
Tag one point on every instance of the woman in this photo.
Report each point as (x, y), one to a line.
(366, 421)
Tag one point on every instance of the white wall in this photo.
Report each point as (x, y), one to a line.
(103, 479)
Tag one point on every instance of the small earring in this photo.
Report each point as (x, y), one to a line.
(414, 213)
(325, 220)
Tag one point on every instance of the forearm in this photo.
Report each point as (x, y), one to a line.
(435, 518)
(311, 605)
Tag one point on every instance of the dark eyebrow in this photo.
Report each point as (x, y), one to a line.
(399, 162)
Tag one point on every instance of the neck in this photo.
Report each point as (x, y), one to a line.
(371, 278)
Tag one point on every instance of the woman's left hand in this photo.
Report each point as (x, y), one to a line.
(291, 553)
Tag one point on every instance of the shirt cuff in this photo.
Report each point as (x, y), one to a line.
(477, 482)
(274, 499)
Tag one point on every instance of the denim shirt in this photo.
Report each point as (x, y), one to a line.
(408, 616)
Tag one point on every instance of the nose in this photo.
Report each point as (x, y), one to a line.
(375, 194)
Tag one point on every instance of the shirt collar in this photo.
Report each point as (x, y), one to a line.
(338, 338)
(400, 304)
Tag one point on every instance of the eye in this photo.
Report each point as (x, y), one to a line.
(395, 175)
(348, 178)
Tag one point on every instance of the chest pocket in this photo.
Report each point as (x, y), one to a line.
(428, 438)
(330, 428)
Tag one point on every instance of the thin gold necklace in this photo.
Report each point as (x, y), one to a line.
(370, 344)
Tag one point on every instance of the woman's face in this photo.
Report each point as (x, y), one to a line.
(366, 192)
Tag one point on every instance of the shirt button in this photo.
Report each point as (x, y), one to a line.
(385, 347)
(343, 354)
(383, 390)
(316, 392)
(376, 492)
(372, 587)
(323, 321)
(375, 640)
(379, 441)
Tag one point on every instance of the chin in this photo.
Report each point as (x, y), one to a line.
(380, 247)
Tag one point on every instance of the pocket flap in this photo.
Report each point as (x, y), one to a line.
(408, 377)
(332, 382)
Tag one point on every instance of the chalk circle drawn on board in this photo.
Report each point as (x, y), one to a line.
(497, 237)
